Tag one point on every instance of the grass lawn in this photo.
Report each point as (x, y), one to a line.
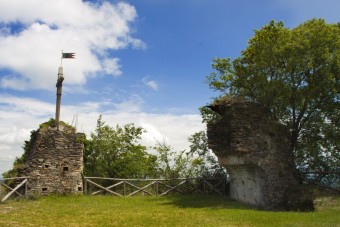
(193, 210)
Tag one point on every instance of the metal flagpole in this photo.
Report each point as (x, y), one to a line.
(59, 86)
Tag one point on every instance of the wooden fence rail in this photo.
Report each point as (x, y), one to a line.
(15, 182)
(154, 187)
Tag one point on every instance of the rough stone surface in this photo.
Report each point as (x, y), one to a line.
(55, 162)
(254, 148)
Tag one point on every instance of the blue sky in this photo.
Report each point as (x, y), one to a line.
(140, 61)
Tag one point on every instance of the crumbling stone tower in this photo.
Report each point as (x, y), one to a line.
(55, 161)
(255, 150)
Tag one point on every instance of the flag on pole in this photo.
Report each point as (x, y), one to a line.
(68, 55)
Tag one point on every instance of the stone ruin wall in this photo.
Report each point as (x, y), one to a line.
(255, 150)
(55, 162)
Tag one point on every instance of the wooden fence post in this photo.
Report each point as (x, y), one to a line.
(156, 185)
(124, 188)
(0, 189)
(26, 184)
(186, 186)
(224, 186)
(85, 186)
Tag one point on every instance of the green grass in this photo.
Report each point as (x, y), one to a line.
(194, 210)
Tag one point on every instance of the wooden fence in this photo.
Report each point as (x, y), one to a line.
(154, 187)
(127, 187)
(16, 185)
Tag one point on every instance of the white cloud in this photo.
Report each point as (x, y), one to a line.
(151, 83)
(19, 116)
(13, 82)
(132, 104)
(90, 30)
(112, 67)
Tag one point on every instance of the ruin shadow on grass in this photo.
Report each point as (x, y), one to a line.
(205, 201)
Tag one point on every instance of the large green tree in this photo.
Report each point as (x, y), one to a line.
(116, 152)
(295, 73)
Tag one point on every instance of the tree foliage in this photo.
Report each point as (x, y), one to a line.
(198, 162)
(116, 152)
(171, 163)
(207, 163)
(296, 74)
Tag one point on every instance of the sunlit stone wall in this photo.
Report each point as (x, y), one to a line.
(55, 162)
